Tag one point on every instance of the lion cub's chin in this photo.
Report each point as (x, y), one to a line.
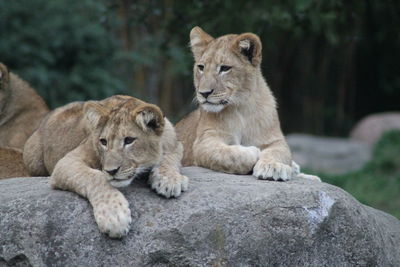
(121, 183)
(215, 108)
(125, 180)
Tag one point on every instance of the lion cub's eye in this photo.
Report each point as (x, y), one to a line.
(200, 67)
(129, 140)
(103, 141)
(224, 68)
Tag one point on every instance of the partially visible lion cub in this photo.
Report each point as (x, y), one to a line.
(92, 147)
(236, 129)
(21, 110)
(11, 163)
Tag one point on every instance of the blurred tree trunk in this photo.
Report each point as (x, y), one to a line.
(343, 86)
(321, 93)
(167, 92)
(135, 79)
(125, 31)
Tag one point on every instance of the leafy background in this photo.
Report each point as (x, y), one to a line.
(329, 62)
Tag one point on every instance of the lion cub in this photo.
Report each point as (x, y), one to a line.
(11, 163)
(236, 129)
(21, 110)
(92, 147)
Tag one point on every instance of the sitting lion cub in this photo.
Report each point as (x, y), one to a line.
(21, 110)
(236, 129)
(92, 147)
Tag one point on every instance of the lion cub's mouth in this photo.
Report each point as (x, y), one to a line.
(221, 102)
(214, 107)
(121, 183)
(125, 178)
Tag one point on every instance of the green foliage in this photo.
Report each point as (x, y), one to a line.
(377, 184)
(61, 47)
(332, 61)
(387, 154)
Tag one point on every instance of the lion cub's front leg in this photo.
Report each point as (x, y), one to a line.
(111, 211)
(214, 154)
(166, 178)
(168, 181)
(275, 163)
(110, 208)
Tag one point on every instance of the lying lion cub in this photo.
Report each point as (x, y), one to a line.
(92, 147)
(21, 110)
(11, 163)
(236, 129)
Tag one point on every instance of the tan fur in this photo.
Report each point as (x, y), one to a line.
(236, 129)
(21, 110)
(11, 163)
(83, 146)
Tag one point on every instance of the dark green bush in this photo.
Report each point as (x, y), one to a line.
(63, 48)
(377, 184)
(329, 62)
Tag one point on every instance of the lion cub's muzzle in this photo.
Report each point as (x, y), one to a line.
(112, 172)
(121, 178)
(211, 97)
(212, 103)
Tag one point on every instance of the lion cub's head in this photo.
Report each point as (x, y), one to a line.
(225, 68)
(127, 137)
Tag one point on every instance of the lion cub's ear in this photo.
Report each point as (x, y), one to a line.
(249, 46)
(4, 76)
(199, 40)
(149, 118)
(95, 114)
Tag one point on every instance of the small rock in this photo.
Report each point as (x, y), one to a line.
(370, 129)
(328, 154)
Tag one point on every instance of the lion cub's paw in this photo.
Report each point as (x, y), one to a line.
(171, 185)
(309, 177)
(298, 174)
(252, 152)
(272, 170)
(249, 155)
(113, 215)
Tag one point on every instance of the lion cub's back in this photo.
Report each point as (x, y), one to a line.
(11, 163)
(186, 131)
(60, 132)
(24, 111)
(63, 130)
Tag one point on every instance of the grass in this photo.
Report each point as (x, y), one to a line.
(377, 184)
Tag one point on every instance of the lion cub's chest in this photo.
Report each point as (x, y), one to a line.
(247, 130)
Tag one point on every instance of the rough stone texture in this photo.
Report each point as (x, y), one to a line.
(328, 154)
(223, 220)
(371, 128)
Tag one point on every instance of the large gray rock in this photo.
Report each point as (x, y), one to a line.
(328, 154)
(223, 220)
(370, 129)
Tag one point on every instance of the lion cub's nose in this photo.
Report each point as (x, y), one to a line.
(112, 172)
(207, 93)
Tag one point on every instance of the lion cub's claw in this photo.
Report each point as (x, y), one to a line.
(113, 217)
(169, 186)
(273, 171)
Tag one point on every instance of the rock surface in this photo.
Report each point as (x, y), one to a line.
(328, 154)
(223, 220)
(371, 128)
